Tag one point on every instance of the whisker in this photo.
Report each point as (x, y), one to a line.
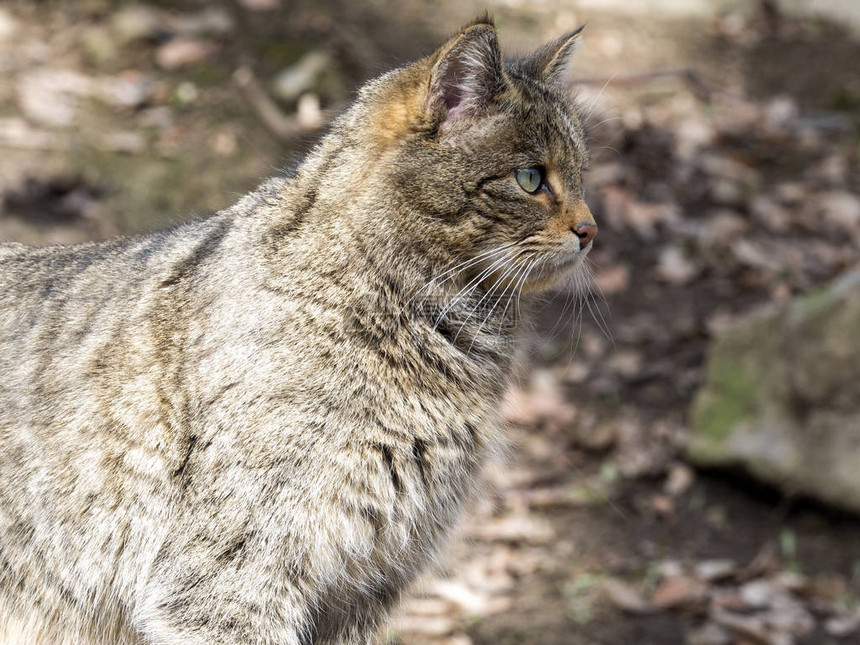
(598, 317)
(508, 304)
(479, 256)
(465, 265)
(594, 291)
(599, 94)
(597, 289)
(459, 268)
(568, 298)
(499, 280)
(515, 272)
(576, 331)
(600, 321)
(606, 120)
(522, 283)
(470, 287)
(608, 145)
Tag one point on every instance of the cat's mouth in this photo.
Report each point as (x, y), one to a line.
(552, 270)
(533, 271)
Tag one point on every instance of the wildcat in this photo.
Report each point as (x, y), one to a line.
(257, 428)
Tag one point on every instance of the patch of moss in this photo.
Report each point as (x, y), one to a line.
(730, 398)
(736, 377)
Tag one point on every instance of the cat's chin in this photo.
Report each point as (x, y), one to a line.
(553, 272)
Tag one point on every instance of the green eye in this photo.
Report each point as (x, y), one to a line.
(530, 179)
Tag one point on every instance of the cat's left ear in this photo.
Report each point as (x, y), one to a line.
(553, 62)
(466, 75)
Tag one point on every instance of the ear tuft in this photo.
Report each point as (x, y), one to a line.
(467, 73)
(553, 61)
(484, 19)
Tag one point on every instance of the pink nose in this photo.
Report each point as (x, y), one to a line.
(585, 233)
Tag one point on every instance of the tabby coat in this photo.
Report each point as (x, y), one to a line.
(258, 427)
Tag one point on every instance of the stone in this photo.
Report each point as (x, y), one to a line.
(843, 626)
(715, 570)
(781, 397)
(127, 90)
(50, 96)
(678, 480)
(183, 52)
(308, 112)
(758, 594)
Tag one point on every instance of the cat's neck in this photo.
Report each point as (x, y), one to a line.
(381, 275)
(479, 321)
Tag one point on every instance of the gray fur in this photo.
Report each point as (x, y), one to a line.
(257, 428)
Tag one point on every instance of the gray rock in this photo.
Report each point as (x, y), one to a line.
(782, 397)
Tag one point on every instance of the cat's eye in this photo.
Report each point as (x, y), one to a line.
(529, 179)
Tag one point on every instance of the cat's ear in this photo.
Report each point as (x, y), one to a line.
(466, 75)
(553, 62)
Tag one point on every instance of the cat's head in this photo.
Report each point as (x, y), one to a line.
(486, 157)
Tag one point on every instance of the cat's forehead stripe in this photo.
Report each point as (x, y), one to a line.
(574, 130)
(537, 94)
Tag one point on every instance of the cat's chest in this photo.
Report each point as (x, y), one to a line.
(433, 436)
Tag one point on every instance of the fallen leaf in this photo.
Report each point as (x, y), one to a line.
(749, 627)
(758, 594)
(663, 505)
(624, 597)
(613, 279)
(182, 52)
(679, 592)
(674, 267)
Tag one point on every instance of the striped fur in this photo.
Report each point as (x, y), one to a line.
(259, 427)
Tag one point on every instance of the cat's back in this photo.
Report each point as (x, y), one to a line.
(50, 274)
(85, 350)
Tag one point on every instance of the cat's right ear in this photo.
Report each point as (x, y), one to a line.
(466, 74)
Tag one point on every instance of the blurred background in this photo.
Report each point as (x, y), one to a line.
(685, 442)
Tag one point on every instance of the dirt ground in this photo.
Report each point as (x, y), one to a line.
(724, 177)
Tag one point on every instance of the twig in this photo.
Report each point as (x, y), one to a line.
(286, 128)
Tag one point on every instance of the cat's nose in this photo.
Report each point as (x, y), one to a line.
(585, 233)
(582, 224)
